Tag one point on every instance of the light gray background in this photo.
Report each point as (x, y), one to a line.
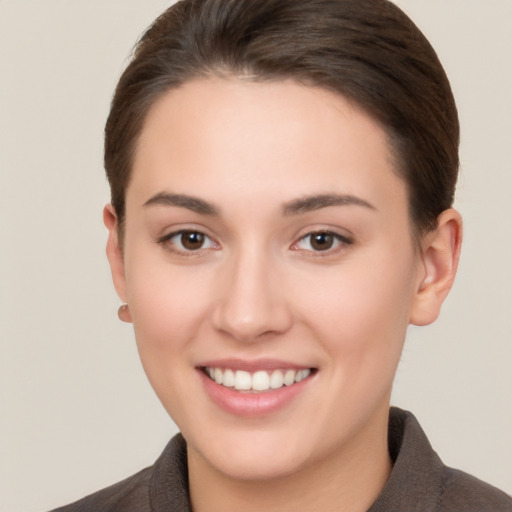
(76, 410)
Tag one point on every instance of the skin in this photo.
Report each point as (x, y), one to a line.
(258, 287)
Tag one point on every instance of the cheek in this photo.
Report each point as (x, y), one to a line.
(169, 308)
(168, 305)
(361, 310)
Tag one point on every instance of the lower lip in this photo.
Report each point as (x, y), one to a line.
(251, 404)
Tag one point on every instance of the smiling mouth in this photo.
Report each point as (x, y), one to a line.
(259, 381)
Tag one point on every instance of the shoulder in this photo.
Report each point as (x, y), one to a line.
(161, 487)
(421, 482)
(129, 495)
(461, 491)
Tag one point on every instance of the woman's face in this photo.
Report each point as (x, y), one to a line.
(267, 240)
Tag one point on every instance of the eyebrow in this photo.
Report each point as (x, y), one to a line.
(296, 207)
(316, 202)
(182, 201)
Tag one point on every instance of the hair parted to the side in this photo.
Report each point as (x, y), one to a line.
(366, 50)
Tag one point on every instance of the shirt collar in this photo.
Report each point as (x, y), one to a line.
(414, 485)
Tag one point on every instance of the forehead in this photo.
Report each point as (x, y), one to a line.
(240, 138)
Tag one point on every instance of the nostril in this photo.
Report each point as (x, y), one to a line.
(251, 327)
(250, 305)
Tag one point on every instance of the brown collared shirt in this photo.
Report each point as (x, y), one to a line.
(419, 481)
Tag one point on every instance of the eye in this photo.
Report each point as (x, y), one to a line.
(186, 241)
(321, 241)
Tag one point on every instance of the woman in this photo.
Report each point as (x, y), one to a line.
(282, 178)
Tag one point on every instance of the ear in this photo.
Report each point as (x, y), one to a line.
(115, 251)
(439, 261)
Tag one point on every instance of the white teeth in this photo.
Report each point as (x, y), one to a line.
(228, 379)
(242, 380)
(301, 375)
(277, 379)
(289, 377)
(258, 381)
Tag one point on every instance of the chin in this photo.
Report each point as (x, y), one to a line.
(256, 453)
(258, 466)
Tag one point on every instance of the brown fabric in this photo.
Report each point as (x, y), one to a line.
(419, 481)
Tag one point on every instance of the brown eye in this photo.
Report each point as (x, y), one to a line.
(186, 242)
(192, 240)
(321, 241)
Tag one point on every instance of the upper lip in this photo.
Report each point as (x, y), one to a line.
(253, 365)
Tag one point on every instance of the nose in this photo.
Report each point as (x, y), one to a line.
(252, 303)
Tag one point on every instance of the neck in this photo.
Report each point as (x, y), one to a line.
(347, 480)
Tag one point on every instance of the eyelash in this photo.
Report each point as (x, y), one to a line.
(172, 247)
(340, 242)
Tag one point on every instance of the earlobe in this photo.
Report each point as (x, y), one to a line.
(440, 258)
(114, 251)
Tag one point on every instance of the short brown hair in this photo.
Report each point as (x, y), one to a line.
(369, 51)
